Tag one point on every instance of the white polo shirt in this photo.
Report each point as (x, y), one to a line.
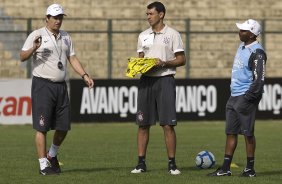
(51, 51)
(160, 45)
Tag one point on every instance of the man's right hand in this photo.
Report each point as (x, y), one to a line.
(37, 42)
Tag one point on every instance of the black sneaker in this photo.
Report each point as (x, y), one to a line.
(141, 167)
(248, 173)
(172, 169)
(220, 172)
(54, 163)
(47, 171)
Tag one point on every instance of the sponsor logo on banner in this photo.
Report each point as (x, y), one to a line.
(272, 99)
(123, 100)
(109, 100)
(15, 106)
(196, 99)
(15, 102)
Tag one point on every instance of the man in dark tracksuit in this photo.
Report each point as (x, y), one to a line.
(247, 83)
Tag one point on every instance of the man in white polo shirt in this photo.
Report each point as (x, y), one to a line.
(51, 49)
(156, 92)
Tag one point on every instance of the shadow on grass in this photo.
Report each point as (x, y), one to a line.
(270, 173)
(128, 169)
(263, 173)
(95, 169)
(194, 168)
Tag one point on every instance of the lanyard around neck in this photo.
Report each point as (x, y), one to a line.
(55, 45)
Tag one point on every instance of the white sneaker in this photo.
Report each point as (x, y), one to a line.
(174, 172)
(139, 169)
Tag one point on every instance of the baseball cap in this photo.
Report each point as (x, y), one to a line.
(250, 25)
(54, 10)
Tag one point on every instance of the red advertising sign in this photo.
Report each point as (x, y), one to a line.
(15, 102)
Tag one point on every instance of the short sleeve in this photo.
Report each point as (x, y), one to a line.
(71, 53)
(177, 43)
(139, 45)
(29, 41)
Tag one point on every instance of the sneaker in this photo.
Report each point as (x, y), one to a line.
(47, 171)
(248, 173)
(220, 172)
(141, 167)
(172, 169)
(54, 163)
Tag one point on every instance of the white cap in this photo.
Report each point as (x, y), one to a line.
(250, 25)
(55, 9)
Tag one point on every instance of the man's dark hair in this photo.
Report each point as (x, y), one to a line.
(158, 6)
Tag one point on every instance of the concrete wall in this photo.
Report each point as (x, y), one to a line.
(210, 55)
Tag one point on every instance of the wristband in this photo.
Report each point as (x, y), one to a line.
(84, 75)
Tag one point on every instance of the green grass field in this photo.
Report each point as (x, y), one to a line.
(105, 153)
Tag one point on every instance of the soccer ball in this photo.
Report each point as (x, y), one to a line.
(205, 160)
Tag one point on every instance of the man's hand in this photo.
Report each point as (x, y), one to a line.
(88, 80)
(37, 42)
(160, 63)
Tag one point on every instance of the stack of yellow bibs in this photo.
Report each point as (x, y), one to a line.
(139, 65)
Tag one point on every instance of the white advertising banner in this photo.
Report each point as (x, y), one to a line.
(15, 101)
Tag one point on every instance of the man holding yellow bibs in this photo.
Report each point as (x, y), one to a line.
(156, 90)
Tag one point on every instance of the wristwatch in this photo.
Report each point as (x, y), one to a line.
(84, 75)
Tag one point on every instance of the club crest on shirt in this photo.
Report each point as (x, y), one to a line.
(166, 40)
(66, 41)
